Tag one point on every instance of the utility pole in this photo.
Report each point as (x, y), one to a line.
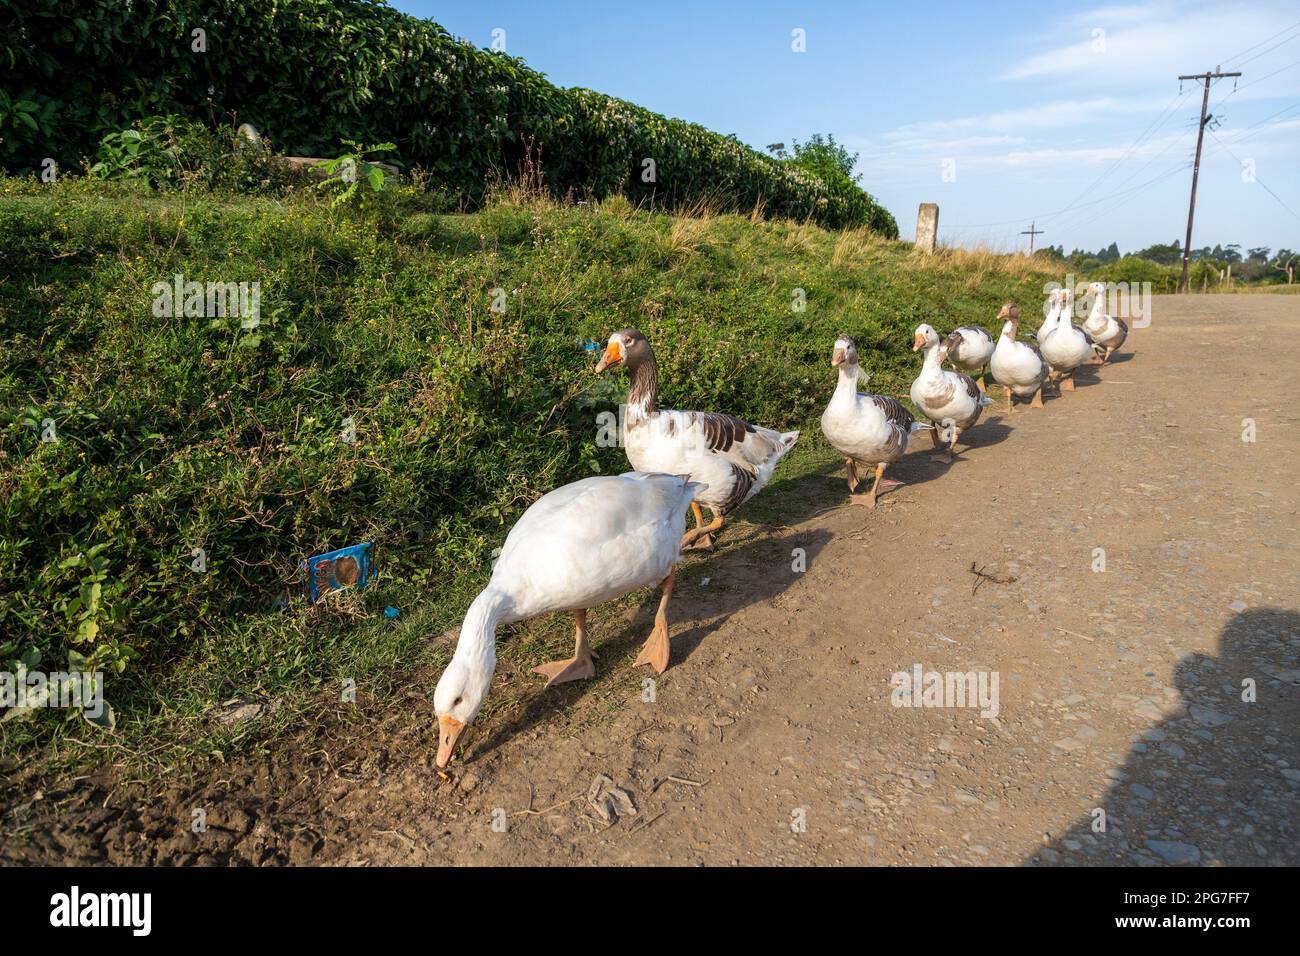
(1196, 167)
(1031, 232)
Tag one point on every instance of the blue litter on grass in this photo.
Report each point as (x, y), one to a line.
(351, 567)
(591, 345)
(391, 612)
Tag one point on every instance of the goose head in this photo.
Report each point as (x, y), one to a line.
(460, 694)
(926, 338)
(845, 354)
(626, 347)
(1010, 316)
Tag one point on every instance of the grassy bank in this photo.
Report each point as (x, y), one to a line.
(452, 344)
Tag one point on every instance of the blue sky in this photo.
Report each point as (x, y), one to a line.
(1001, 113)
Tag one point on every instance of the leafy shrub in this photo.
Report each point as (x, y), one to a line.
(312, 73)
(1135, 271)
(176, 433)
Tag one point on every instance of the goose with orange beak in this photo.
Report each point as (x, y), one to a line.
(952, 401)
(1107, 331)
(1017, 366)
(578, 546)
(869, 430)
(1064, 345)
(733, 458)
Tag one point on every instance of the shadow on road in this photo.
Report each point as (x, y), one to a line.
(1216, 782)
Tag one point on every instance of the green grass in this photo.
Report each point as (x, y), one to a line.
(177, 433)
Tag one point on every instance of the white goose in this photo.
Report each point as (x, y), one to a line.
(949, 399)
(1017, 366)
(871, 430)
(578, 546)
(969, 350)
(1065, 346)
(730, 457)
(1107, 331)
(1055, 303)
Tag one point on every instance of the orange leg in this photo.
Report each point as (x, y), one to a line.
(702, 538)
(879, 483)
(577, 667)
(655, 649)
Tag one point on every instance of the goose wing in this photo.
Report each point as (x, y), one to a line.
(744, 445)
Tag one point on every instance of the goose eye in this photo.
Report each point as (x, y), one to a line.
(457, 702)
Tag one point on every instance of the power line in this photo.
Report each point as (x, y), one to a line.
(1107, 210)
(1269, 50)
(1093, 202)
(1233, 59)
(1289, 66)
(1151, 128)
(1280, 202)
(1237, 89)
(1156, 125)
(1247, 132)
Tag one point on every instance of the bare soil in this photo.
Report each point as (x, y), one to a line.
(772, 738)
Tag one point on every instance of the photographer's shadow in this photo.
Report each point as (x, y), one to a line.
(1213, 784)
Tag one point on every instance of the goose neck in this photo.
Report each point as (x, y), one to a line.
(847, 384)
(644, 389)
(476, 646)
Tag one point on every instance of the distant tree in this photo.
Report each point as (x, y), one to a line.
(1110, 254)
(1285, 262)
(1163, 253)
(824, 156)
(1258, 254)
(1231, 252)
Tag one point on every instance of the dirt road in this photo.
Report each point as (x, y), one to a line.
(773, 739)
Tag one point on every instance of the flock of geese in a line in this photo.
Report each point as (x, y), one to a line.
(600, 538)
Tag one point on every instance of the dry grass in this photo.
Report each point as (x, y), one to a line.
(685, 235)
(1236, 289)
(802, 238)
(980, 261)
(617, 207)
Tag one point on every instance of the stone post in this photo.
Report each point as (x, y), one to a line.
(927, 226)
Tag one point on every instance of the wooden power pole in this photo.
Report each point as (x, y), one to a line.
(1196, 166)
(1031, 232)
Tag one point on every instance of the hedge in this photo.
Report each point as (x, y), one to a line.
(310, 73)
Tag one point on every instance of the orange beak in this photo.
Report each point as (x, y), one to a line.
(919, 343)
(837, 358)
(449, 731)
(1004, 313)
(612, 358)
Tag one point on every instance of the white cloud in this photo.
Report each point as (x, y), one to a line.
(1146, 43)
